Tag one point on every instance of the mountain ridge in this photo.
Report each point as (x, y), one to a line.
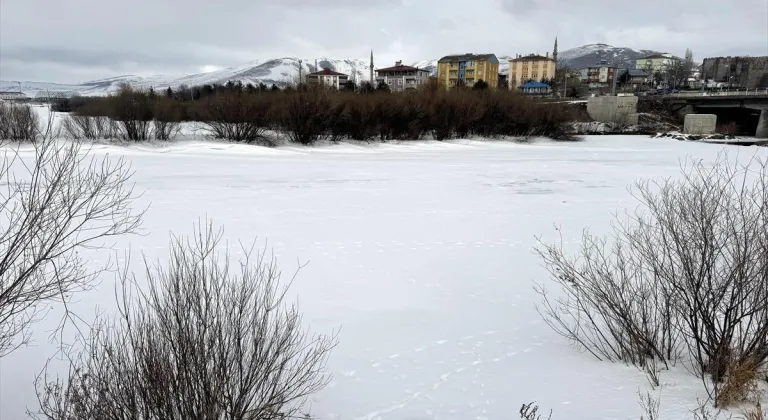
(285, 70)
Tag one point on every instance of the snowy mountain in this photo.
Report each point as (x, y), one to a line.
(587, 55)
(281, 71)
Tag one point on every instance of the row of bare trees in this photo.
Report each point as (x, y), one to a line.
(18, 123)
(192, 338)
(126, 115)
(684, 279)
(308, 115)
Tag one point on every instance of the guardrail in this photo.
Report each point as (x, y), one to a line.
(719, 93)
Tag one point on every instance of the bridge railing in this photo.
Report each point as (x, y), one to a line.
(749, 92)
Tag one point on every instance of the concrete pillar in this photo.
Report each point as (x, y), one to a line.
(762, 125)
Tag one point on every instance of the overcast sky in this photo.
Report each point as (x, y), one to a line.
(79, 40)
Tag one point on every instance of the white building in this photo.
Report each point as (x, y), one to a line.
(327, 77)
(400, 78)
(13, 96)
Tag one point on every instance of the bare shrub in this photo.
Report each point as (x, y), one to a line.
(85, 127)
(355, 117)
(236, 116)
(754, 412)
(683, 278)
(402, 117)
(78, 127)
(739, 386)
(705, 412)
(303, 115)
(133, 112)
(650, 406)
(605, 306)
(52, 208)
(444, 115)
(167, 115)
(530, 411)
(199, 341)
(18, 122)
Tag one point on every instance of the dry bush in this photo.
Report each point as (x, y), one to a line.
(201, 340)
(52, 208)
(86, 127)
(402, 116)
(167, 115)
(236, 116)
(18, 122)
(650, 406)
(355, 117)
(530, 411)
(740, 385)
(132, 110)
(303, 115)
(681, 279)
(754, 412)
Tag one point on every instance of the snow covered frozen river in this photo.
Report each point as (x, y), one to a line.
(422, 253)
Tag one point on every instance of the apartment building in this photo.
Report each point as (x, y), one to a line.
(400, 78)
(656, 63)
(327, 77)
(466, 69)
(531, 67)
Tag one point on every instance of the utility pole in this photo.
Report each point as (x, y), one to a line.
(299, 71)
(565, 85)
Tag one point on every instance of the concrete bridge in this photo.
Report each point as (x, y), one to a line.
(750, 101)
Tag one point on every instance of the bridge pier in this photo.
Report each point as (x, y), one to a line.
(762, 125)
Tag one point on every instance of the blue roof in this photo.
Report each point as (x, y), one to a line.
(534, 85)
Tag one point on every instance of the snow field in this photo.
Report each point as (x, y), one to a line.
(421, 253)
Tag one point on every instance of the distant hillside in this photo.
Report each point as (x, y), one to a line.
(587, 55)
(279, 71)
(282, 71)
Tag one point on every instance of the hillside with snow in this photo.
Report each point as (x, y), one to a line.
(283, 71)
(587, 55)
(279, 71)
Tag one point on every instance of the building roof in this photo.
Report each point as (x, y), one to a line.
(469, 57)
(326, 72)
(11, 93)
(56, 94)
(402, 68)
(637, 73)
(534, 85)
(654, 56)
(532, 57)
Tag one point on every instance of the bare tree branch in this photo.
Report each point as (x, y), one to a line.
(62, 202)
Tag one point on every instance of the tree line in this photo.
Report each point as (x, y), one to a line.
(306, 114)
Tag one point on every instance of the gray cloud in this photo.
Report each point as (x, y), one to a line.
(76, 40)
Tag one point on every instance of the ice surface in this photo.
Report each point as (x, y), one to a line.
(422, 254)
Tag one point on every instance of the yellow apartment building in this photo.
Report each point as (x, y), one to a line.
(531, 67)
(534, 67)
(467, 69)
